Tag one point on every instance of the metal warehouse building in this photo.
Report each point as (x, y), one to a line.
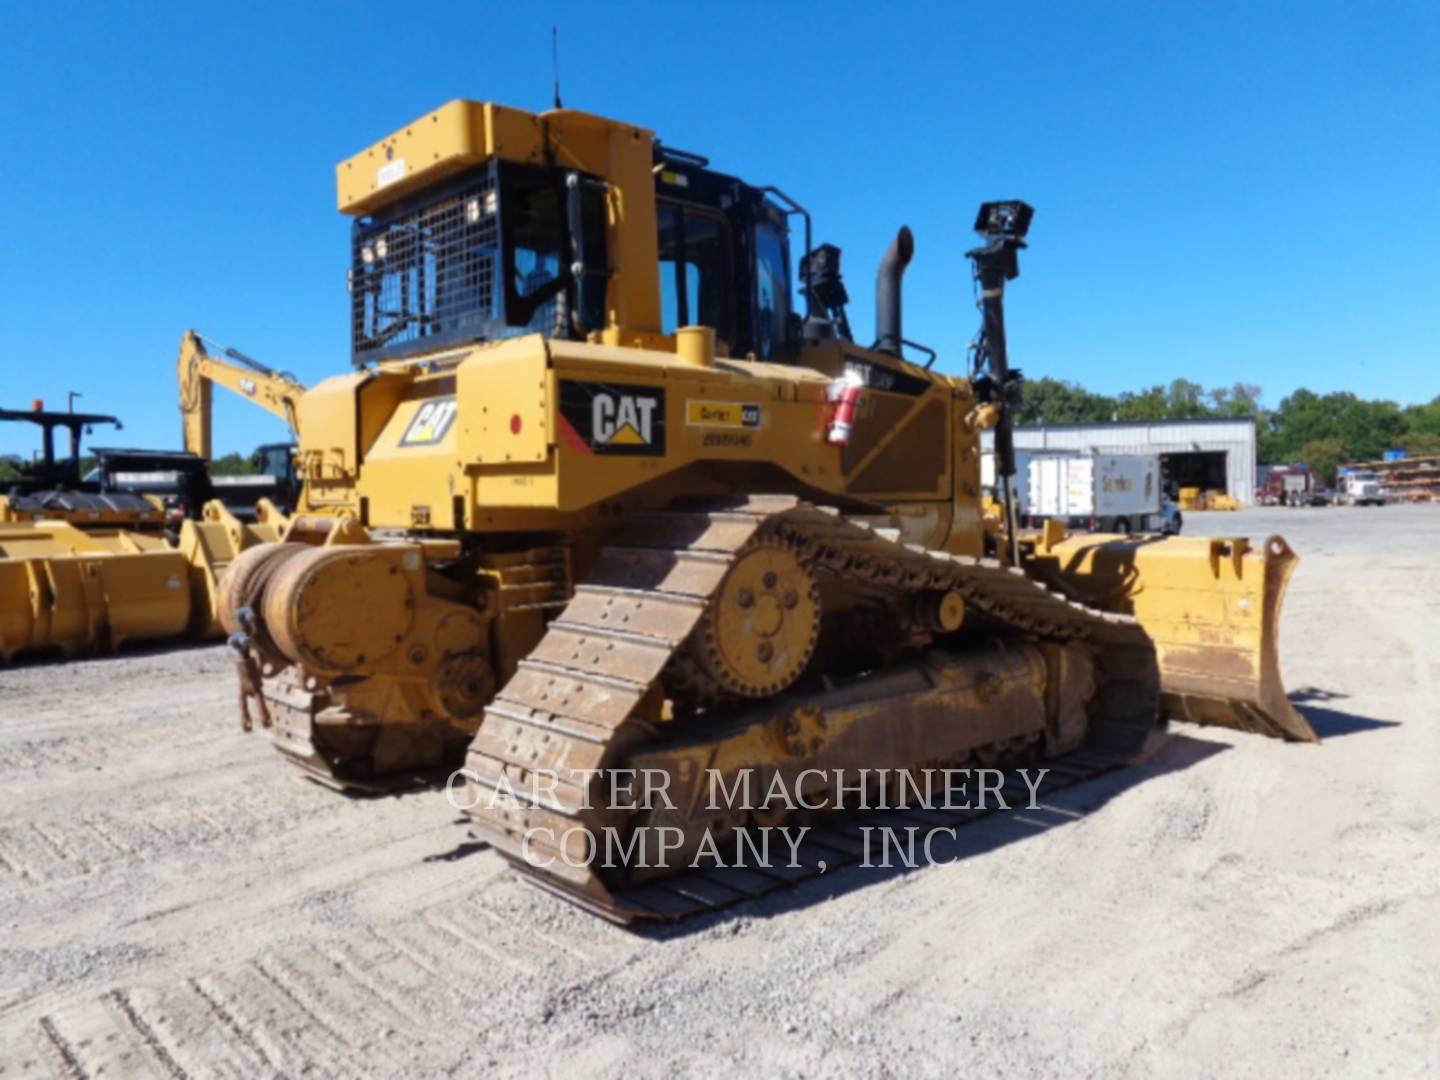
(1217, 455)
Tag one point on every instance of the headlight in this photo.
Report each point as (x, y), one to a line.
(472, 211)
(367, 255)
(380, 248)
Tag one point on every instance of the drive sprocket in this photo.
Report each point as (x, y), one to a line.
(760, 626)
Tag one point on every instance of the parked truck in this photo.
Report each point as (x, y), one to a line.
(1361, 489)
(1285, 485)
(1114, 493)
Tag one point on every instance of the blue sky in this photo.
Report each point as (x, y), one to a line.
(1224, 192)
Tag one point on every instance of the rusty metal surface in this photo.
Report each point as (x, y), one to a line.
(590, 696)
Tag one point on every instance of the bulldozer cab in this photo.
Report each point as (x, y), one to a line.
(724, 251)
(480, 224)
(483, 257)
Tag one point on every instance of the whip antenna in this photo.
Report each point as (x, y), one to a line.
(555, 62)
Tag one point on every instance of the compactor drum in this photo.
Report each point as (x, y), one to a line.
(597, 503)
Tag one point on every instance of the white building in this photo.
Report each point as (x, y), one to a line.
(1216, 455)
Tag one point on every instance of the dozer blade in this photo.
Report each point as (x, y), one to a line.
(1212, 608)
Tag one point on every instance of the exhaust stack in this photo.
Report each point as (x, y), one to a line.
(888, 336)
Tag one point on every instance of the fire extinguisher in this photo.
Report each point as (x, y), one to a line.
(844, 392)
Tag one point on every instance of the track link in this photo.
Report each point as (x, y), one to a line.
(576, 703)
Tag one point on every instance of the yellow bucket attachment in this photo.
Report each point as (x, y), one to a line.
(72, 591)
(68, 590)
(1212, 608)
(211, 544)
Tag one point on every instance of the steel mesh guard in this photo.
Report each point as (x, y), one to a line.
(429, 273)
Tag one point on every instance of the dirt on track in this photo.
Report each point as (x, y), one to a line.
(175, 902)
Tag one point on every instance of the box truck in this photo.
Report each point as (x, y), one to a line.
(1119, 493)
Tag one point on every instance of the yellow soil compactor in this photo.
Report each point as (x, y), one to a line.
(595, 498)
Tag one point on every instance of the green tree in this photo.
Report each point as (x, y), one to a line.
(1423, 419)
(1057, 401)
(1323, 456)
(1240, 400)
(1364, 429)
(231, 465)
(1419, 444)
(8, 471)
(1151, 404)
(1302, 417)
(1185, 400)
(1369, 428)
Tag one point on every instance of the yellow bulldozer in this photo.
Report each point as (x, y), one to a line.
(598, 496)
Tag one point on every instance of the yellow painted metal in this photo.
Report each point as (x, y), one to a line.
(695, 345)
(67, 590)
(456, 136)
(462, 134)
(73, 591)
(91, 580)
(1192, 498)
(210, 545)
(414, 648)
(1212, 608)
(510, 462)
(198, 372)
(762, 623)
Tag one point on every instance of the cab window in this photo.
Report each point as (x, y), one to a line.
(694, 270)
(772, 290)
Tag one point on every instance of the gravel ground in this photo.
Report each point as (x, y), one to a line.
(176, 902)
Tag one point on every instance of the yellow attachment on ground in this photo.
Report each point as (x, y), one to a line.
(1212, 608)
(68, 590)
(211, 544)
(1193, 498)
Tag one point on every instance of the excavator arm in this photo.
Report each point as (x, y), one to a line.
(199, 370)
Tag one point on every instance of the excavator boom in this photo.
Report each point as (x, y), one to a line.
(199, 370)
